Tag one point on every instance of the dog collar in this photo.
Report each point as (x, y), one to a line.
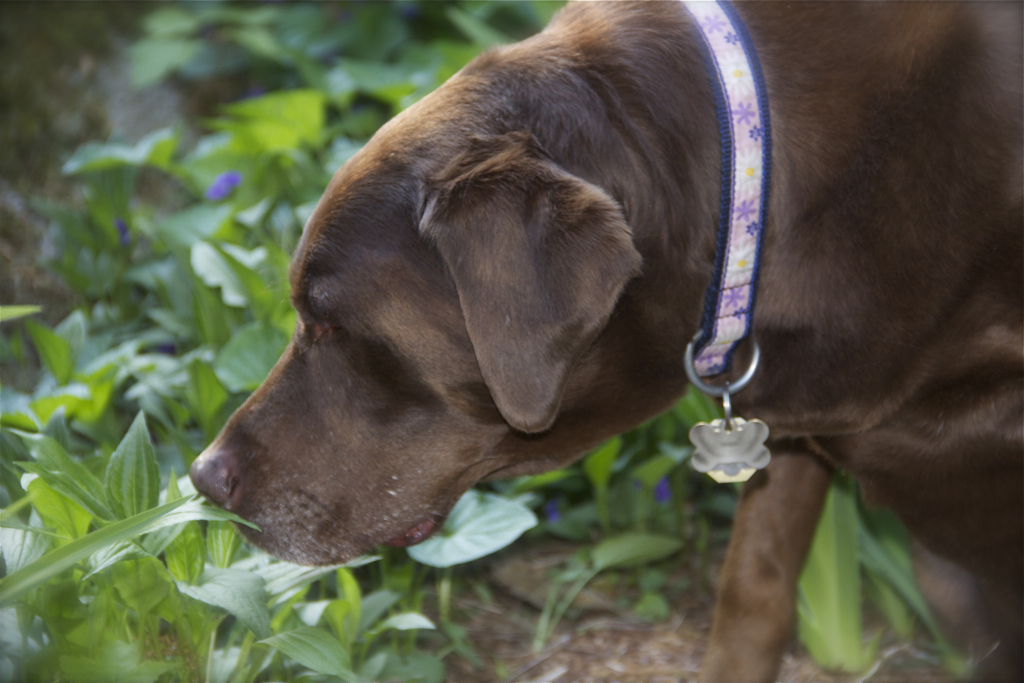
(745, 130)
(732, 449)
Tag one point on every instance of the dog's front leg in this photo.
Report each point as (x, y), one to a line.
(775, 521)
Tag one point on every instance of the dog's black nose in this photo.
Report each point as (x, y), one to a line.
(215, 475)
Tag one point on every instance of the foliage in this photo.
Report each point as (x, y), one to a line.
(114, 570)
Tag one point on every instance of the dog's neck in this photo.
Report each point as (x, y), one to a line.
(833, 109)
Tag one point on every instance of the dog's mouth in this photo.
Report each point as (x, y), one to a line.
(417, 534)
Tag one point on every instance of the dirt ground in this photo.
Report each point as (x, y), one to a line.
(606, 642)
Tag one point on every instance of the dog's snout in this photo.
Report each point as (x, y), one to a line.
(215, 475)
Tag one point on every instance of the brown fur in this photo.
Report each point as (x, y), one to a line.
(509, 272)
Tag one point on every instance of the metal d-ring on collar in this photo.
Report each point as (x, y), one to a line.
(729, 387)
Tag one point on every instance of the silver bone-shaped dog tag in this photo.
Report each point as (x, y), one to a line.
(730, 450)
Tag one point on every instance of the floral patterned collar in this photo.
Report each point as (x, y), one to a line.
(745, 130)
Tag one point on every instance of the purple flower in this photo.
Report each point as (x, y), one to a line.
(165, 348)
(734, 296)
(409, 12)
(745, 210)
(732, 39)
(551, 510)
(663, 492)
(712, 24)
(122, 232)
(753, 228)
(254, 91)
(755, 133)
(744, 113)
(223, 185)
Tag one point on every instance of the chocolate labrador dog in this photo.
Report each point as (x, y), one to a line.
(510, 270)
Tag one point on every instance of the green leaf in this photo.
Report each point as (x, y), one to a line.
(205, 394)
(64, 474)
(111, 555)
(405, 621)
(154, 58)
(8, 313)
(279, 121)
(598, 465)
(316, 649)
(246, 360)
(654, 470)
(21, 548)
(222, 542)
(374, 606)
(57, 510)
(238, 592)
(142, 583)
(115, 662)
(186, 554)
(199, 222)
(16, 584)
(633, 549)
(829, 594)
(156, 149)
(211, 267)
(476, 30)
(479, 524)
(54, 351)
(133, 478)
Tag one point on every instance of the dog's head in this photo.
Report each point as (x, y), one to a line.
(463, 310)
(446, 292)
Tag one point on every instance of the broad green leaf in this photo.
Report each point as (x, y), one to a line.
(654, 470)
(239, 592)
(115, 662)
(598, 465)
(54, 351)
(65, 475)
(21, 548)
(476, 30)
(16, 584)
(8, 313)
(633, 549)
(479, 524)
(74, 397)
(57, 510)
(405, 621)
(374, 606)
(205, 394)
(310, 612)
(316, 649)
(199, 222)
(280, 120)
(156, 149)
(246, 360)
(142, 583)
(170, 21)
(16, 411)
(186, 554)
(214, 271)
(829, 593)
(222, 542)
(133, 479)
(154, 58)
(695, 406)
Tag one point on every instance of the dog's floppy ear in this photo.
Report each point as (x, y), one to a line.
(539, 258)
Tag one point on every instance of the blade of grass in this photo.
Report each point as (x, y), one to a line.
(56, 561)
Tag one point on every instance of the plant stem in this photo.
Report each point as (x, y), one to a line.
(209, 659)
(444, 595)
